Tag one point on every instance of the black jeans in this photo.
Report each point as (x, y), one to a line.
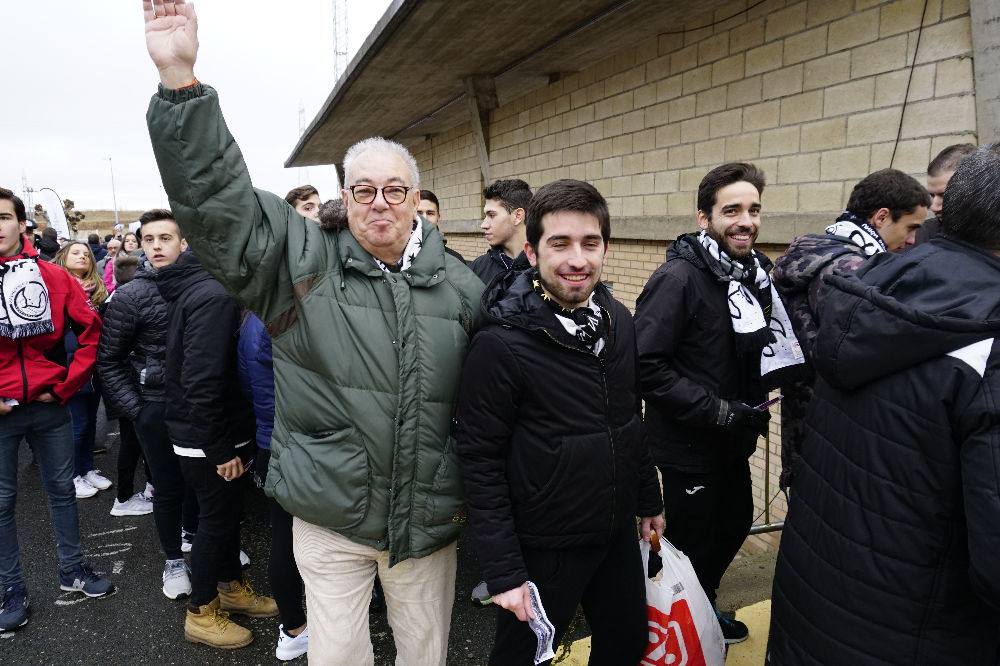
(215, 557)
(286, 583)
(708, 516)
(168, 483)
(129, 453)
(610, 584)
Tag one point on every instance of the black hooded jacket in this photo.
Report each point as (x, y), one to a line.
(205, 408)
(689, 364)
(549, 434)
(130, 356)
(891, 548)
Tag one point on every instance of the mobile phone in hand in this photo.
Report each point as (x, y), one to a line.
(764, 405)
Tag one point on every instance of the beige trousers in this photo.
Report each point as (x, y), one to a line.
(339, 575)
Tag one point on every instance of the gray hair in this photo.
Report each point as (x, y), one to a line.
(380, 144)
(972, 200)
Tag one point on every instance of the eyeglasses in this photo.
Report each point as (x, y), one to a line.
(365, 194)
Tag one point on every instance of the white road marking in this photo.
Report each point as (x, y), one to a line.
(118, 567)
(120, 548)
(63, 600)
(118, 531)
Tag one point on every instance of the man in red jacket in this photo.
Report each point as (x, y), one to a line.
(38, 301)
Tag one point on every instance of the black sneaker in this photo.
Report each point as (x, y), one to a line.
(733, 630)
(83, 579)
(14, 608)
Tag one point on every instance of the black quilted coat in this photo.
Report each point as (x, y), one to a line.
(130, 356)
(891, 548)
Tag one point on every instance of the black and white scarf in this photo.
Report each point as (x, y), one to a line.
(772, 332)
(25, 310)
(409, 252)
(859, 232)
(583, 323)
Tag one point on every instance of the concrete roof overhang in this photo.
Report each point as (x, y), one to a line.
(408, 79)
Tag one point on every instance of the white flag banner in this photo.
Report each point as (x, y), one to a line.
(54, 209)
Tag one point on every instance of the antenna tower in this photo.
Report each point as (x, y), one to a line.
(340, 43)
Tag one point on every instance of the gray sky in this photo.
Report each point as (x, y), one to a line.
(81, 81)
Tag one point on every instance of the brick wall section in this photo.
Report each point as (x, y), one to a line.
(449, 167)
(810, 90)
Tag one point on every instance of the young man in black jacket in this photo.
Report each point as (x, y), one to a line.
(130, 361)
(889, 553)
(706, 324)
(211, 428)
(503, 228)
(549, 437)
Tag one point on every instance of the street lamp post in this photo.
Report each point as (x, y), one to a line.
(114, 197)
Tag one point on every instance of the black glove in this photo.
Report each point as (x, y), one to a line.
(739, 417)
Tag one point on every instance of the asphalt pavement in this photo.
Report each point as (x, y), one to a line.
(138, 625)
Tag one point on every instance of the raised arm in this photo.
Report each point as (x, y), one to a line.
(243, 236)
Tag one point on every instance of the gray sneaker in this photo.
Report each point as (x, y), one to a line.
(176, 579)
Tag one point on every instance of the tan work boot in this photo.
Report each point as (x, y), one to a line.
(211, 626)
(238, 597)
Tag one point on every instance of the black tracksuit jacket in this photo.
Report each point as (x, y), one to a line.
(205, 408)
(495, 262)
(688, 362)
(549, 435)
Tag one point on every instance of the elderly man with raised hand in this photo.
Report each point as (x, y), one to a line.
(370, 325)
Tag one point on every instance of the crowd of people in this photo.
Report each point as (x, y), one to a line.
(384, 393)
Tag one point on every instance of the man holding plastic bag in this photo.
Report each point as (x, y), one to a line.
(550, 441)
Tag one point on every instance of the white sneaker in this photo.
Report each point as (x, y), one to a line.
(244, 559)
(148, 492)
(83, 489)
(187, 541)
(96, 480)
(176, 579)
(137, 505)
(290, 647)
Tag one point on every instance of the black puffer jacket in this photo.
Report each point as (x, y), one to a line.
(549, 434)
(890, 548)
(496, 262)
(688, 361)
(130, 356)
(205, 407)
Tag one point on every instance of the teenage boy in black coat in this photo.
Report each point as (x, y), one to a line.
(212, 430)
(550, 439)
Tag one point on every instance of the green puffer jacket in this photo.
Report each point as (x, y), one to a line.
(366, 363)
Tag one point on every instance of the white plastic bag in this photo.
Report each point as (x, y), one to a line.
(683, 628)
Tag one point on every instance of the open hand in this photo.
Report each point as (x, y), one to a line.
(517, 601)
(172, 40)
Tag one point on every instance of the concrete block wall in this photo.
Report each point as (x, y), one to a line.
(812, 91)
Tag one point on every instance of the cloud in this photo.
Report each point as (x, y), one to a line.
(83, 81)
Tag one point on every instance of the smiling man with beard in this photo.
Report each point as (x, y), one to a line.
(549, 437)
(704, 326)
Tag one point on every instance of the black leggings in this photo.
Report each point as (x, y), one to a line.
(129, 453)
(286, 583)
